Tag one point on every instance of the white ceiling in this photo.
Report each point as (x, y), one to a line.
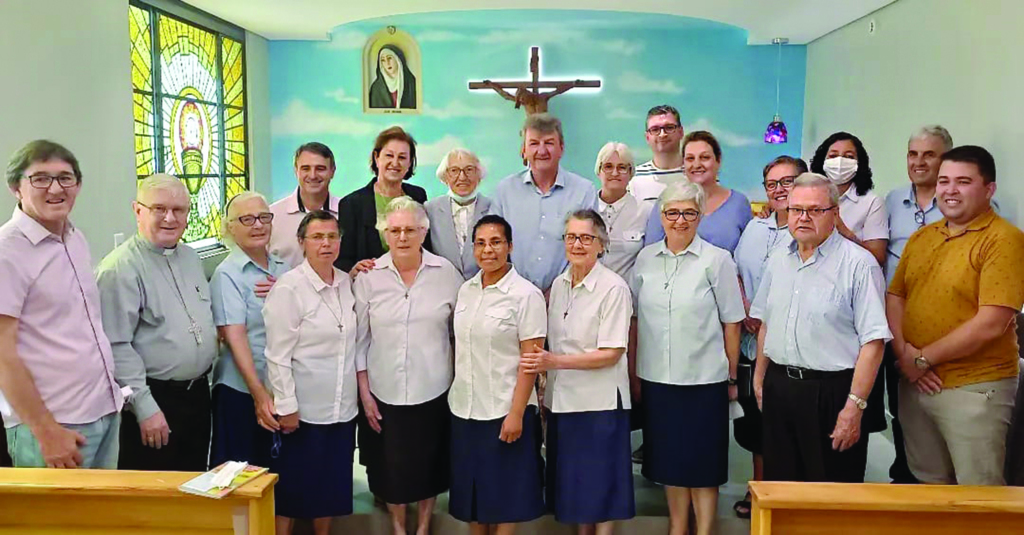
(802, 21)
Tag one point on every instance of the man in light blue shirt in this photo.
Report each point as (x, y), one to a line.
(536, 201)
(821, 303)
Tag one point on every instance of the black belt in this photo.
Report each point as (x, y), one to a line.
(805, 374)
(186, 384)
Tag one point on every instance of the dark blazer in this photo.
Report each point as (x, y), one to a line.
(357, 213)
(442, 233)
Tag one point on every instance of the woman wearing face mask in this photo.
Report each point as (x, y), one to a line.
(453, 216)
(862, 216)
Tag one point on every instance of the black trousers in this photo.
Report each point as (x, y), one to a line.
(186, 406)
(798, 417)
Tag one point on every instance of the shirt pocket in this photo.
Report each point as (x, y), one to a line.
(499, 319)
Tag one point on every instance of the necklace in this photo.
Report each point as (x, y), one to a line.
(194, 327)
(337, 319)
(669, 278)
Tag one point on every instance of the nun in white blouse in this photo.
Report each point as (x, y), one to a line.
(690, 308)
(404, 306)
(588, 385)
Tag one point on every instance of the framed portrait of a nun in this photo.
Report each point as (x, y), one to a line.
(391, 73)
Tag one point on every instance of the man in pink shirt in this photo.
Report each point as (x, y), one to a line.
(60, 403)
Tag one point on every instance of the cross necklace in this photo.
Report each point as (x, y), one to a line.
(194, 327)
(341, 326)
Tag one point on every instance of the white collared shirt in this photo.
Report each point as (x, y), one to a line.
(461, 217)
(649, 181)
(311, 363)
(489, 325)
(626, 219)
(404, 340)
(683, 301)
(865, 215)
(593, 315)
(288, 213)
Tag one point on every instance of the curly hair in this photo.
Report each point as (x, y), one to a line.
(862, 180)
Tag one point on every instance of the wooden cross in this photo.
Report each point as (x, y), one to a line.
(528, 93)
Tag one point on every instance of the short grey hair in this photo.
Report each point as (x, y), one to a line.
(442, 168)
(936, 131)
(543, 123)
(614, 147)
(682, 191)
(404, 204)
(814, 180)
(159, 181)
(234, 201)
(595, 219)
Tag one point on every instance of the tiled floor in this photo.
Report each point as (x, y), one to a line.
(650, 501)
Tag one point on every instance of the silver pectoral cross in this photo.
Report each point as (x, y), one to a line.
(196, 331)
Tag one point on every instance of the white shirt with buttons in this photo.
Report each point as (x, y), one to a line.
(683, 300)
(462, 214)
(489, 325)
(626, 219)
(404, 339)
(311, 339)
(593, 315)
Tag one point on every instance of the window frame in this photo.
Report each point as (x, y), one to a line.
(157, 9)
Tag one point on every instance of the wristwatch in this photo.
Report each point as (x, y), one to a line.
(732, 381)
(861, 403)
(921, 362)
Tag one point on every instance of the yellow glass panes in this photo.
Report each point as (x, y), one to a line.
(142, 48)
(233, 75)
(235, 185)
(142, 109)
(234, 141)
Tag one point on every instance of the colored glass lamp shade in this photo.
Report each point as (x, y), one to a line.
(776, 132)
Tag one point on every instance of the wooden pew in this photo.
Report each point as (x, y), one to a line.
(93, 502)
(804, 508)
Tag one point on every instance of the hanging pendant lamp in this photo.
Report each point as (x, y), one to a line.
(776, 131)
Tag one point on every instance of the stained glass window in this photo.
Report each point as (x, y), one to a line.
(189, 110)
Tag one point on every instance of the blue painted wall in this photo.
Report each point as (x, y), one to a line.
(705, 69)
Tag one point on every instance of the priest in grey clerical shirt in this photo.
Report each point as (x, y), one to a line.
(157, 313)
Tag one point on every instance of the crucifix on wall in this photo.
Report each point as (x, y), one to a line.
(529, 93)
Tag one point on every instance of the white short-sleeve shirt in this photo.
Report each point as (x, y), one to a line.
(404, 340)
(864, 215)
(288, 213)
(626, 220)
(683, 301)
(489, 324)
(593, 315)
(310, 359)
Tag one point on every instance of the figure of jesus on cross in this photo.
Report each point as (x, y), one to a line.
(528, 93)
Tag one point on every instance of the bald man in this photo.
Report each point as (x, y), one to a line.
(157, 314)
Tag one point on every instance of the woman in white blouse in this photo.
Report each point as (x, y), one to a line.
(311, 365)
(404, 306)
(690, 309)
(589, 472)
(496, 432)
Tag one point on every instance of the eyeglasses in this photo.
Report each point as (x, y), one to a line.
(330, 236)
(44, 181)
(249, 220)
(585, 239)
(408, 231)
(668, 129)
(481, 244)
(469, 170)
(612, 169)
(687, 215)
(785, 182)
(160, 211)
(919, 217)
(813, 212)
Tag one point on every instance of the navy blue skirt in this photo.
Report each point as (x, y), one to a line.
(589, 471)
(686, 434)
(315, 468)
(493, 482)
(236, 435)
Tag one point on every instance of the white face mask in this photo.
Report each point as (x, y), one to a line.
(840, 170)
(460, 199)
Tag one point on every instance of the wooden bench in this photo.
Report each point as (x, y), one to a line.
(91, 502)
(879, 509)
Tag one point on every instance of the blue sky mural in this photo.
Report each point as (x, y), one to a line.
(704, 69)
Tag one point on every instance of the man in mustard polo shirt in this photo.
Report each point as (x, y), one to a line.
(952, 306)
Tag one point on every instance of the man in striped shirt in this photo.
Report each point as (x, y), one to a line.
(664, 134)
